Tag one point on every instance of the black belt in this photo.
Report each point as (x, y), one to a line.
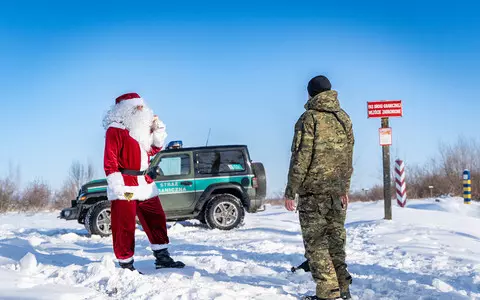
(132, 172)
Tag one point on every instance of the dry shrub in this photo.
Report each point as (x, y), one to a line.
(275, 199)
(38, 195)
(62, 197)
(444, 172)
(35, 197)
(374, 193)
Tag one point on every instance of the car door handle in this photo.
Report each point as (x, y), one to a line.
(186, 183)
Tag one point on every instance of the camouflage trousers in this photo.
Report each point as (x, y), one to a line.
(322, 220)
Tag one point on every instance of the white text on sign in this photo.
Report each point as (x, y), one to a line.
(385, 109)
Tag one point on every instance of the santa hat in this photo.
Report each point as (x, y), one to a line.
(132, 99)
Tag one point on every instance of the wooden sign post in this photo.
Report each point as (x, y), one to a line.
(385, 110)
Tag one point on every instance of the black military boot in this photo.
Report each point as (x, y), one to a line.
(128, 266)
(305, 266)
(163, 260)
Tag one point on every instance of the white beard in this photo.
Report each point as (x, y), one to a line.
(137, 122)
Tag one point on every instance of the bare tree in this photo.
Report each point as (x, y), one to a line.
(454, 159)
(8, 194)
(444, 172)
(14, 173)
(80, 174)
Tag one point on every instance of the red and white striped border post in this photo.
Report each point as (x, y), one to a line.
(400, 183)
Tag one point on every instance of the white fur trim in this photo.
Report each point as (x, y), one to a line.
(143, 166)
(126, 260)
(140, 192)
(141, 180)
(143, 159)
(116, 125)
(156, 247)
(115, 185)
(134, 101)
(115, 179)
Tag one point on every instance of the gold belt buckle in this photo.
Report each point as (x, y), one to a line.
(128, 196)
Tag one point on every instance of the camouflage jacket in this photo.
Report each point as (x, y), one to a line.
(322, 149)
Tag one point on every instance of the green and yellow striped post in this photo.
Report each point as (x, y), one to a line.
(467, 187)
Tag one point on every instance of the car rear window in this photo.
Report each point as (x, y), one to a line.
(220, 161)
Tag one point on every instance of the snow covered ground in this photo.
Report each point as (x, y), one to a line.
(431, 250)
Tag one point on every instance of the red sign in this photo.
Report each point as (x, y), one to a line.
(385, 109)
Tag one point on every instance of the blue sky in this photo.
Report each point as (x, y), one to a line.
(212, 65)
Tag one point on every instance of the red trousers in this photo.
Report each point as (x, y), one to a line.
(152, 217)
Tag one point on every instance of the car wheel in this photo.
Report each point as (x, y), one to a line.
(97, 220)
(224, 212)
(259, 171)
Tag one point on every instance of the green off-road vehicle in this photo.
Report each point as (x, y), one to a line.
(214, 184)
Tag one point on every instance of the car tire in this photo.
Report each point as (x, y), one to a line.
(97, 219)
(259, 171)
(224, 212)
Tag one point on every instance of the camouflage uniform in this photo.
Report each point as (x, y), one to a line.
(320, 172)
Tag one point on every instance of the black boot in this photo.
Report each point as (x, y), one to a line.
(128, 266)
(303, 266)
(163, 260)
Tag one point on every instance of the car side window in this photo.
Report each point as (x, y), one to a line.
(220, 161)
(175, 165)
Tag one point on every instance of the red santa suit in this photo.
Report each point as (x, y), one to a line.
(125, 157)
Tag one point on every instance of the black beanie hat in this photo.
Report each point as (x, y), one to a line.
(318, 84)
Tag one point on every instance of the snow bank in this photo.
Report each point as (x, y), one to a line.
(28, 263)
(431, 250)
(450, 205)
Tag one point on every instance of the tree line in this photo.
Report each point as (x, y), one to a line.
(38, 195)
(440, 175)
(443, 172)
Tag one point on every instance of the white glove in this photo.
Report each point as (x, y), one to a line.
(159, 133)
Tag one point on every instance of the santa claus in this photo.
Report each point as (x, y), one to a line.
(133, 135)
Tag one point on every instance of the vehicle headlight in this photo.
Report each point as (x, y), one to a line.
(67, 213)
(82, 198)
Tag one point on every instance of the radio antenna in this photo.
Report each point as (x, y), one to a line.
(208, 136)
